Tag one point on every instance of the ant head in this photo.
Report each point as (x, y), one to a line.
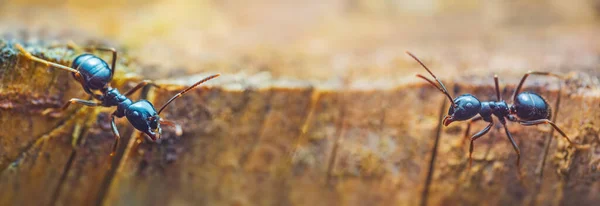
(465, 107)
(154, 123)
(144, 118)
(143, 115)
(462, 108)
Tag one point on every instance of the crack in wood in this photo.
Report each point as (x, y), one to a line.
(77, 138)
(341, 128)
(120, 157)
(63, 178)
(23, 153)
(434, 150)
(305, 126)
(548, 141)
(261, 132)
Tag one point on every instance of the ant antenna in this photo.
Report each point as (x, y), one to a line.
(186, 90)
(441, 86)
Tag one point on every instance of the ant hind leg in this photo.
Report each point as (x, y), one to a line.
(546, 121)
(66, 105)
(29, 56)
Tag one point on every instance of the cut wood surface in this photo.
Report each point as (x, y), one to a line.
(317, 103)
(289, 143)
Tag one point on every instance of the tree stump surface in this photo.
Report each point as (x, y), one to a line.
(285, 142)
(317, 103)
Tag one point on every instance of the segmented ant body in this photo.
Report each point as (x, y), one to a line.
(528, 109)
(95, 76)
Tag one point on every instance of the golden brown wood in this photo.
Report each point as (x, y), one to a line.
(295, 146)
(40, 158)
(319, 109)
(289, 144)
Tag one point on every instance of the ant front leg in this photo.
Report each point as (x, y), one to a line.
(475, 137)
(471, 121)
(66, 105)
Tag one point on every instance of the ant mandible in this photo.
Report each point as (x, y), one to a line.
(94, 75)
(528, 109)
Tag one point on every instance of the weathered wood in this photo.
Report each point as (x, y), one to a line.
(40, 155)
(381, 155)
(283, 142)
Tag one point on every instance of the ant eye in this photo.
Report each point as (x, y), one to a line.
(451, 111)
(153, 123)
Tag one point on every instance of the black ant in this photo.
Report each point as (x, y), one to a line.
(530, 109)
(94, 75)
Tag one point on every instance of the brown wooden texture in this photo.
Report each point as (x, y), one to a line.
(290, 143)
(40, 153)
(317, 103)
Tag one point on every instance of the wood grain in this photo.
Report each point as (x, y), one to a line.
(319, 109)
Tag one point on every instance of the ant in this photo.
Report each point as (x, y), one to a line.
(528, 109)
(94, 75)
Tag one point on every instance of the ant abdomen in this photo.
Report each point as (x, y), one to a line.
(94, 71)
(531, 106)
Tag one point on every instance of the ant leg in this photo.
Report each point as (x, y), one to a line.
(471, 121)
(86, 89)
(73, 46)
(546, 121)
(497, 88)
(178, 130)
(80, 101)
(139, 86)
(116, 133)
(475, 137)
(186, 90)
(74, 100)
(512, 141)
(29, 56)
(514, 97)
(512, 118)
